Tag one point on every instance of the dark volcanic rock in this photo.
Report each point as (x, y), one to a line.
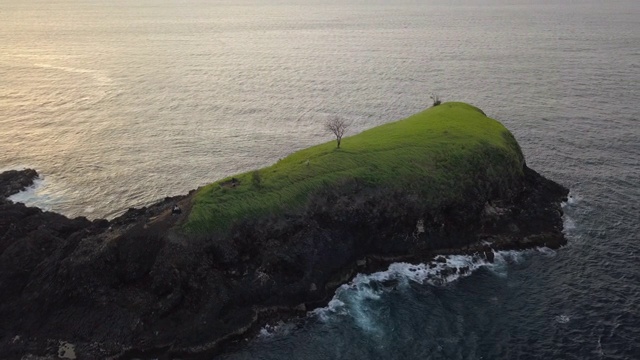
(136, 287)
(14, 181)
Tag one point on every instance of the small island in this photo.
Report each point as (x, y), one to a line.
(194, 275)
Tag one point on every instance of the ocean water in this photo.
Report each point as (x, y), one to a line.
(118, 104)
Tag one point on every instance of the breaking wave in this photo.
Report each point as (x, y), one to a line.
(358, 298)
(36, 195)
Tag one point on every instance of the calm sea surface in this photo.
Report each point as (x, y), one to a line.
(120, 103)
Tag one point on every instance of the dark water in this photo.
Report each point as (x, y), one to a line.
(119, 104)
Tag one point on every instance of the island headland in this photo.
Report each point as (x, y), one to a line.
(268, 244)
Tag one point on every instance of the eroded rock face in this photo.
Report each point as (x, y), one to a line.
(30, 240)
(137, 287)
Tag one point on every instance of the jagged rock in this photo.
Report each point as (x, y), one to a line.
(137, 283)
(14, 181)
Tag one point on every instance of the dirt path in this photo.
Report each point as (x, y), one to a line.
(169, 223)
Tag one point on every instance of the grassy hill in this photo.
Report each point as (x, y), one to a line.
(439, 154)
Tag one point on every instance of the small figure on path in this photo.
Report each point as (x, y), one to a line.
(176, 209)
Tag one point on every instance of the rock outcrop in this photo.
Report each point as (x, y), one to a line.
(138, 287)
(14, 181)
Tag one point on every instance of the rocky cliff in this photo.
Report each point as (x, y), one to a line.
(145, 285)
(136, 287)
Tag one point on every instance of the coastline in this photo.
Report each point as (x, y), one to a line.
(245, 321)
(270, 245)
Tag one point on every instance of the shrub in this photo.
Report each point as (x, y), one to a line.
(256, 179)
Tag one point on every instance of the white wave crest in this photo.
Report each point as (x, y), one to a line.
(35, 195)
(569, 207)
(572, 200)
(29, 193)
(357, 298)
(335, 306)
(281, 328)
(547, 252)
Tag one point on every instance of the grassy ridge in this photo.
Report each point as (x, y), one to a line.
(437, 153)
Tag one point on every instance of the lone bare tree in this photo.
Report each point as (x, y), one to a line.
(436, 99)
(337, 126)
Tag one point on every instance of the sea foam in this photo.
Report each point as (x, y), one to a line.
(35, 195)
(352, 299)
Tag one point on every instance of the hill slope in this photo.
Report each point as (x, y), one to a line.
(438, 154)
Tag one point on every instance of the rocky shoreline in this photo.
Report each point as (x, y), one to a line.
(137, 287)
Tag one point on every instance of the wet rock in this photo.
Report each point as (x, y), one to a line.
(489, 255)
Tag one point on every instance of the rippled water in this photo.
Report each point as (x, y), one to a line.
(119, 104)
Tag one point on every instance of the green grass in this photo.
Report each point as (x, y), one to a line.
(438, 153)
